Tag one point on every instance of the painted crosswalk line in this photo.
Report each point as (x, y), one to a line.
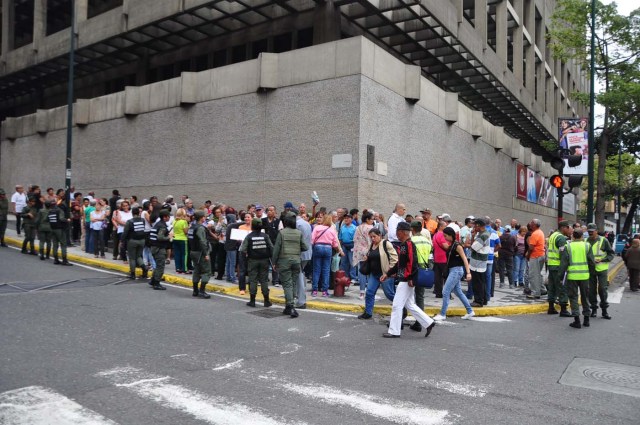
(490, 319)
(42, 406)
(210, 409)
(615, 296)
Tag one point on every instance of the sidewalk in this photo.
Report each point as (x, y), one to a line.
(505, 302)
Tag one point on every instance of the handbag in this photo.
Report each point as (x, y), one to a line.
(365, 268)
(426, 278)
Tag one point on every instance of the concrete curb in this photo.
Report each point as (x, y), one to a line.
(277, 297)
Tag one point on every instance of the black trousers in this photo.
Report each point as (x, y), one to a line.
(478, 283)
(218, 258)
(18, 222)
(439, 269)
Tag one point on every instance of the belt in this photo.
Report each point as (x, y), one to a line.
(322, 243)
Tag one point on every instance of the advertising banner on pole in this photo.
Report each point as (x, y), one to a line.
(573, 135)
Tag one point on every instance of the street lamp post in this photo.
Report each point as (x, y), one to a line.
(72, 48)
(618, 203)
(590, 191)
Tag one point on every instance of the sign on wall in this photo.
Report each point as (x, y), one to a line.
(536, 189)
(573, 135)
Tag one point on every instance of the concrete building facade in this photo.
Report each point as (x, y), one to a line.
(366, 102)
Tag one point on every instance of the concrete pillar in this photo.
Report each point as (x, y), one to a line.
(518, 53)
(501, 30)
(550, 92)
(82, 8)
(326, 22)
(39, 21)
(8, 23)
(481, 20)
(530, 52)
(459, 9)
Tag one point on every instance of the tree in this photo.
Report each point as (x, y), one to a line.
(617, 58)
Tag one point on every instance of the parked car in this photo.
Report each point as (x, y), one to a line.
(621, 241)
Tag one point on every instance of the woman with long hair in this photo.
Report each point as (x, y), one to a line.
(324, 240)
(98, 226)
(361, 244)
(180, 251)
(381, 256)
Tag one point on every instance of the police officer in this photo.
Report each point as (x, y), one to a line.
(44, 230)
(29, 216)
(575, 260)
(257, 247)
(556, 289)
(423, 251)
(135, 237)
(4, 212)
(599, 284)
(286, 259)
(57, 221)
(160, 240)
(199, 253)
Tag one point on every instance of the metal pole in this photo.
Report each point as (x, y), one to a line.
(560, 199)
(72, 48)
(592, 101)
(618, 204)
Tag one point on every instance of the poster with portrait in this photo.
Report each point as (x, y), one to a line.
(573, 135)
(532, 192)
(521, 181)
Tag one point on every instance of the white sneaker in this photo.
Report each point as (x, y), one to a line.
(362, 295)
(468, 315)
(439, 318)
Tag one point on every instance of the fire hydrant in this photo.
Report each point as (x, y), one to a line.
(341, 283)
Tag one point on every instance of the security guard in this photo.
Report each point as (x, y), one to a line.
(555, 287)
(575, 260)
(423, 251)
(160, 240)
(599, 284)
(44, 230)
(257, 247)
(4, 212)
(199, 254)
(57, 221)
(29, 215)
(286, 259)
(134, 237)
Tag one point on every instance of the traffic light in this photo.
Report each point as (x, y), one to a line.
(557, 181)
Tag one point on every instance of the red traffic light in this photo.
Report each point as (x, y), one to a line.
(556, 181)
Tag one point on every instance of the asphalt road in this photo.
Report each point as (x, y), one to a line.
(109, 351)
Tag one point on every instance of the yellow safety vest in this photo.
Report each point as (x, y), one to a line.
(553, 253)
(423, 249)
(596, 249)
(578, 266)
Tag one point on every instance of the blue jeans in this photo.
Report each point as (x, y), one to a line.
(373, 283)
(88, 238)
(180, 254)
(230, 265)
(362, 279)
(453, 285)
(345, 262)
(148, 258)
(321, 266)
(519, 266)
(489, 281)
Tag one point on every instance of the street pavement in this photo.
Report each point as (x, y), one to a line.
(102, 350)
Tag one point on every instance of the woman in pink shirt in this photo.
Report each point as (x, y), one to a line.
(324, 240)
(440, 247)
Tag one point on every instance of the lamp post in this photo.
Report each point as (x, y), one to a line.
(618, 203)
(590, 191)
(72, 48)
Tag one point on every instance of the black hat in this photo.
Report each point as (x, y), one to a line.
(480, 222)
(563, 223)
(403, 225)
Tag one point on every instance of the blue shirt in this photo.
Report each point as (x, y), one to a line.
(495, 240)
(347, 233)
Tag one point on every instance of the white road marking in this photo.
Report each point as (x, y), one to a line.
(292, 348)
(232, 365)
(615, 297)
(213, 410)
(179, 355)
(461, 389)
(446, 323)
(43, 406)
(293, 330)
(391, 410)
(327, 335)
(489, 319)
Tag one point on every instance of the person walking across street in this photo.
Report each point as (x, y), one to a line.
(258, 248)
(160, 240)
(557, 291)
(135, 239)
(599, 283)
(199, 252)
(575, 261)
(423, 252)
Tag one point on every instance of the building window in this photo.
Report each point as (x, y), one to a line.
(23, 19)
(58, 15)
(282, 42)
(258, 47)
(305, 38)
(96, 7)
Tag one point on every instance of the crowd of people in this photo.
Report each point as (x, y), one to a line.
(247, 246)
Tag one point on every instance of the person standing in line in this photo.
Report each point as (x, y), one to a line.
(4, 214)
(519, 260)
(599, 281)
(18, 202)
(199, 251)
(505, 256)
(393, 222)
(120, 217)
(427, 222)
(535, 257)
(345, 235)
(406, 272)
(495, 246)
(480, 249)
(98, 217)
(575, 262)
(440, 248)
(231, 246)
(257, 248)
(180, 250)
(160, 239)
(135, 237)
(632, 261)
(325, 240)
(29, 214)
(556, 288)
(44, 230)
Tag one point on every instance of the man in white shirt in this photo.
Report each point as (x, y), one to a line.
(450, 223)
(18, 202)
(392, 224)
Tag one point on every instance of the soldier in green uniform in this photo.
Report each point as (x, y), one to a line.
(286, 259)
(135, 237)
(199, 253)
(555, 287)
(4, 212)
(575, 260)
(29, 215)
(599, 284)
(257, 247)
(160, 240)
(44, 230)
(57, 221)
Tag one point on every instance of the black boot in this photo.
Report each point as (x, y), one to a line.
(55, 260)
(287, 310)
(563, 311)
(293, 313)
(576, 322)
(585, 323)
(552, 308)
(202, 293)
(416, 327)
(252, 301)
(152, 282)
(33, 252)
(195, 290)
(42, 255)
(132, 275)
(267, 303)
(158, 287)
(48, 253)
(145, 272)
(594, 312)
(66, 263)
(605, 315)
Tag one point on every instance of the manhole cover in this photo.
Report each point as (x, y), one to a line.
(604, 376)
(268, 313)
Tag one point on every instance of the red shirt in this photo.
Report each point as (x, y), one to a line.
(439, 253)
